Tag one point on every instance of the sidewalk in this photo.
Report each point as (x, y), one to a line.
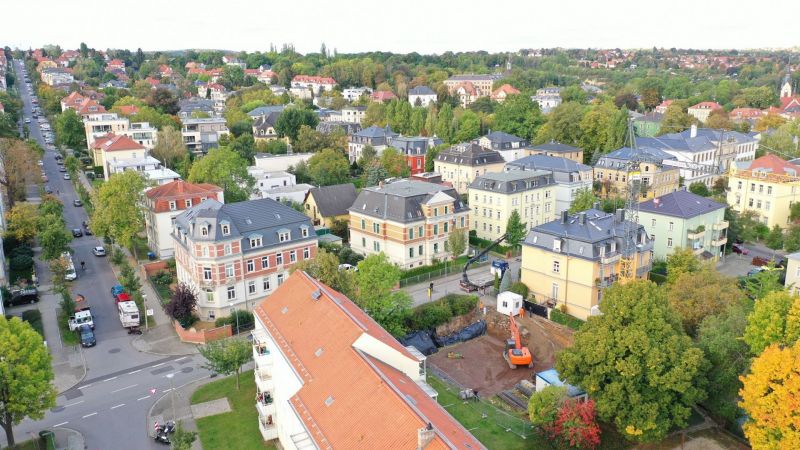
(162, 409)
(162, 340)
(68, 439)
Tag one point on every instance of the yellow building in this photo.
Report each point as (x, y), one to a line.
(613, 171)
(793, 273)
(569, 262)
(768, 186)
(408, 220)
(112, 148)
(327, 204)
(462, 163)
(495, 195)
(553, 148)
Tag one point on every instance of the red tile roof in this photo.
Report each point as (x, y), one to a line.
(382, 96)
(745, 113)
(89, 106)
(180, 189)
(349, 399)
(706, 105)
(507, 88)
(313, 79)
(775, 165)
(128, 110)
(115, 143)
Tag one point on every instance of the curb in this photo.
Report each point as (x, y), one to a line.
(160, 354)
(74, 431)
(83, 358)
(150, 410)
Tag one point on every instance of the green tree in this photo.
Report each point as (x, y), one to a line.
(17, 168)
(676, 119)
(227, 169)
(227, 356)
(325, 268)
(26, 374)
(573, 93)
(182, 439)
(22, 222)
(584, 199)
(515, 229)
(774, 239)
(543, 405)
(697, 295)
(775, 319)
(54, 240)
(328, 167)
(469, 127)
(636, 362)
(375, 282)
(72, 165)
(245, 146)
(759, 285)
(69, 130)
(8, 127)
(292, 118)
(700, 189)
(375, 115)
(169, 148)
(520, 116)
(116, 208)
(791, 243)
(457, 242)
(563, 124)
(596, 127)
(681, 261)
(718, 119)
(163, 100)
(444, 124)
(430, 157)
(394, 163)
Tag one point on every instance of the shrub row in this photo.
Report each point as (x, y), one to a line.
(475, 241)
(431, 315)
(416, 271)
(34, 318)
(565, 319)
(246, 320)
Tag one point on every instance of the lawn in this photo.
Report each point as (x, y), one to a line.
(237, 429)
(67, 337)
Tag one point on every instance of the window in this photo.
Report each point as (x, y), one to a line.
(226, 230)
(306, 253)
(421, 231)
(205, 251)
(207, 273)
(363, 224)
(435, 211)
(227, 249)
(411, 252)
(293, 256)
(229, 270)
(204, 231)
(653, 222)
(209, 295)
(231, 292)
(376, 228)
(769, 190)
(172, 205)
(752, 187)
(189, 203)
(279, 258)
(265, 262)
(304, 231)
(435, 248)
(251, 287)
(435, 229)
(445, 209)
(284, 236)
(265, 283)
(419, 250)
(760, 188)
(445, 227)
(411, 233)
(280, 279)
(376, 246)
(251, 265)
(766, 205)
(671, 226)
(462, 221)
(363, 242)
(556, 267)
(750, 202)
(255, 241)
(669, 242)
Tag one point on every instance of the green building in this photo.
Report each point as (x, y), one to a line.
(683, 219)
(646, 125)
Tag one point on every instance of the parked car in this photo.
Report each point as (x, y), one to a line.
(67, 177)
(87, 336)
(48, 189)
(738, 248)
(99, 251)
(77, 232)
(77, 202)
(755, 271)
(22, 295)
(86, 230)
(62, 169)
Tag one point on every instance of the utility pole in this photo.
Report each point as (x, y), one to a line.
(172, 395)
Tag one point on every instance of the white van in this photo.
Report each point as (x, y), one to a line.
(70, 274)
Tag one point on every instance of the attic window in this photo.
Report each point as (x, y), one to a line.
(329, 400)
(319, 352)
(226, 230)
(204, 231)
(285, 310)
(316, 294)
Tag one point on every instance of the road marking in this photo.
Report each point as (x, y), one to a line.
(90, 415)
(159, 364)
(120, 405)
(85, 386)
(122, 389)
(166, 390)
(135, 371)
(181, 358)
(60, 424)
(109, 379)
(140, 399)
(73, 404)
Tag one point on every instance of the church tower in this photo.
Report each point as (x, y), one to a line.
(786, 88)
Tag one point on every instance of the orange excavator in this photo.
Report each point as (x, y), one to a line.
(516, 355)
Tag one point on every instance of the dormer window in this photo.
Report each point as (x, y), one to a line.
(255, 241)
(173, 205)
(204, 231)
(189, 203)
(284, 235)
(226, 229)
(304, 231)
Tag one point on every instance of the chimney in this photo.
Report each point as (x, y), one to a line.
(620, 215)
(582, 218)
(564, 215)
(693, 131)
(425, 436)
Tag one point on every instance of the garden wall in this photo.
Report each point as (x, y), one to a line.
(153, 268)
(194, 336)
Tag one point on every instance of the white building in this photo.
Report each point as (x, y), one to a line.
(421, 96)
(96, 125)
(268, 180)
(273, 163)
(547, 98)
(354, 114)
(201, 135)
(295, 193)
(148, 166)
(353, 94)
(509, 303)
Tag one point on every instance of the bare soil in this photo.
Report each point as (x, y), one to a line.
(483, 368)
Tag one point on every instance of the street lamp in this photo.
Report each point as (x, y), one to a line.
(144, 301)
(172, 395)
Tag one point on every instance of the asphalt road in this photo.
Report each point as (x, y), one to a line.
(451, 283)
(110, 406)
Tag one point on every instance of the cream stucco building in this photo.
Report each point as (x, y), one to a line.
(462, 163)
(767, 186)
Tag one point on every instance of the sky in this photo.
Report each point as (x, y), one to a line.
(429, 26)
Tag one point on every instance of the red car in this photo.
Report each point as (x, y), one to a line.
(737, 248)
(123, 297)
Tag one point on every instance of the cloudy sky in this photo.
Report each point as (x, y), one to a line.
(429, 26)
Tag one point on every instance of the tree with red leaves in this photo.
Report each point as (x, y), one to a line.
(575, 426)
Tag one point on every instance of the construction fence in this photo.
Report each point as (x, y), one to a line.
(435, 274)
(477, 412)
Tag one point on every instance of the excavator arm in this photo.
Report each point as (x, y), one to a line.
(465, 283)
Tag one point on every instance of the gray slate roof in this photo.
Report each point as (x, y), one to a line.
(266, 110)
(618, 158)
(334, 200)
(683, 204)
(402, 200)
(501, 137)
(677, 143)
(332, 126)
(513, 181)
(264, 217)
(556, 147)
(267, 121)
(545, 162)
(470, 154)
(470, 77)
(421, 90)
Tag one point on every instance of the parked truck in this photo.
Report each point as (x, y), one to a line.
(81, 317)
(128, 314)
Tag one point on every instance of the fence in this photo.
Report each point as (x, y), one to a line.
(428, 276)
(195, 336)
(478, 413)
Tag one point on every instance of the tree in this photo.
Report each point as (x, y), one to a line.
(636, 362)
(457, 242)
(444, 124)
(375, 115)
(770, 121)
(227, 356)
(169, 148)
(626, 99)
(182, 304)
(8, 127)
(394, 163)
(310, 140)
(573, 93)
(791, 243)
(720, 338)
(563, 124)
(543, 405)
(774, 239)
(163, 100)
(117, 213)
(774, 320)
(244, 145)
(325, 268)
(469, 127)
(182, 439)
(515, 229)
(699, 188)
(72, 165)
(22, 221)
(676, 119)
(227, 169)
(17, 167)
(769, 394)
(584, 199)
(682, 260)
(518, 115)
(54, 240)
(375, 282)
(759, 285)
(430, 157)
(328, 167)
(697, 295)
(292, 118)
(718, 119)
(374, 174)
(69, 130)
(575, 425)
(27, 375)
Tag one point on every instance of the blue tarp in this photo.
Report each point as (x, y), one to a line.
(469, 332)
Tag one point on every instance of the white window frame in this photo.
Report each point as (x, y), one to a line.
(251, 265)
(230, 271)
(231, 292)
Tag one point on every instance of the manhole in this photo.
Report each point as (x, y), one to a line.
(187, 369)
(115, 350)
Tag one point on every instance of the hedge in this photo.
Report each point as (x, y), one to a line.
(421, 270)
(431, 315)
(34, 318)
(565, 319)
(246, 320)
(475, 241)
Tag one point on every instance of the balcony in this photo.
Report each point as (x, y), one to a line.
(697, 233)
(610, 258)
(265, 406)
(698, 250)
(722, 240)
(264, 379)
(268, 429)
(719, 226)
(261, 353)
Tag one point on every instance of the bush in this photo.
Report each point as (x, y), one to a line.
(436, 265)
(170, 263)
(475, 241)
(566, 320)
(21, 263)
(431, 315)
(34, 318)
(117, 256)
(520, 288)
(162, 278)
(21, 250)
(461, 304)
(246, 320)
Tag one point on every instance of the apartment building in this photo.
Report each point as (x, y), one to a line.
(236, 254)
(151, 169)
(495, 195)
(767, 186)
(421, 96)
(354, 114)
(570, 176)
(410, 221)
(510, 147)
(547, 98)
(470, 87)
(557, 149)
(102, 124)
(616, 171)
(201, 135)
(313, 83)
(162, 205)
(462, 163)
(571, 260)
(683, 219)
(702, 110)
(328, 376)
(57, 76)
(111, 147)
(415, 149)
(377, 137)
(326, 204)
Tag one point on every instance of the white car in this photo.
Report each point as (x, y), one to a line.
(66, 176)
(40, 163)
(99, 251)
(348, 267)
